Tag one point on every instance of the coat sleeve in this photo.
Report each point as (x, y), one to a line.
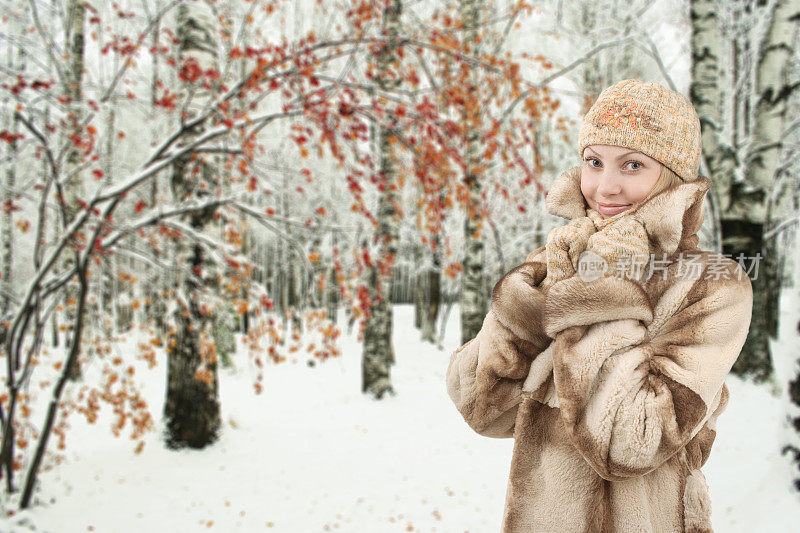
(486, 374)
(635, 383)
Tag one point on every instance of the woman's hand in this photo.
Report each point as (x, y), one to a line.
(564, 246)
(625, 247)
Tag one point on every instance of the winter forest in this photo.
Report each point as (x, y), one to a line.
(241, 239)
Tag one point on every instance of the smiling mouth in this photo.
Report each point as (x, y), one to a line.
(611, 205)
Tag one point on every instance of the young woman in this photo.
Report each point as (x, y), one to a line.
(611, 380)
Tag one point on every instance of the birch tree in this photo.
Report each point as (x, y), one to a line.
(76, 19)
(161, 280)
(708, 94)
(593, 81)
(9, 184)
(772, 91)
(378, 356)
(473, 298)
(746, 204)
(430, 281)
(192, 409)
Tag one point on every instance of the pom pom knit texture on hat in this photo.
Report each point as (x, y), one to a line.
(647, 117)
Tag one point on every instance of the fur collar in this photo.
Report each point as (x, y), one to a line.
(672, 217)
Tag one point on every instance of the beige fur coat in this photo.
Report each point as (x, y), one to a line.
(610, 388)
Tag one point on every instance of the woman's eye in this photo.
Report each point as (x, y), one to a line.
(592, 160)
(637, 164)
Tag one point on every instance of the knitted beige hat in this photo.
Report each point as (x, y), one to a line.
(647, 117)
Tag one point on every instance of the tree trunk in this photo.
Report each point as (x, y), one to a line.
(107, 282)
(331, 297)
(155, 306)
(74, 180)
(432, 300)
(192, 408)
(706, 96)
(378, 354)
(7, 221)
(418, 295)
(474, 299)
(285, 283)
(748, 214)
(295, 290)
(332, 287)
(593, 81)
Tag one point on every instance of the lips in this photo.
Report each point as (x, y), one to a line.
(612, 209)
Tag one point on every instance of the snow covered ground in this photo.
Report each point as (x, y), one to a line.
(313, 454)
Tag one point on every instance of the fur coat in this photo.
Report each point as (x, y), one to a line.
(611, 388)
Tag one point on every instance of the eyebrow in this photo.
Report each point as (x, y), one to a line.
(618, 157)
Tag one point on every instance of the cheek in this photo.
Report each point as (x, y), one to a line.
(638, 192)
(587, 187)
(641, 188)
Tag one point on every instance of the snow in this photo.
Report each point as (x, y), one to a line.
(312, 453)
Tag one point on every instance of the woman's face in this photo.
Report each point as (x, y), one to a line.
(614, 178)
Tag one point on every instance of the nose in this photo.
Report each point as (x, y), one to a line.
(608, 184)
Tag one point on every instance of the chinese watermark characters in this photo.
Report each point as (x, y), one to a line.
(684, 265)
